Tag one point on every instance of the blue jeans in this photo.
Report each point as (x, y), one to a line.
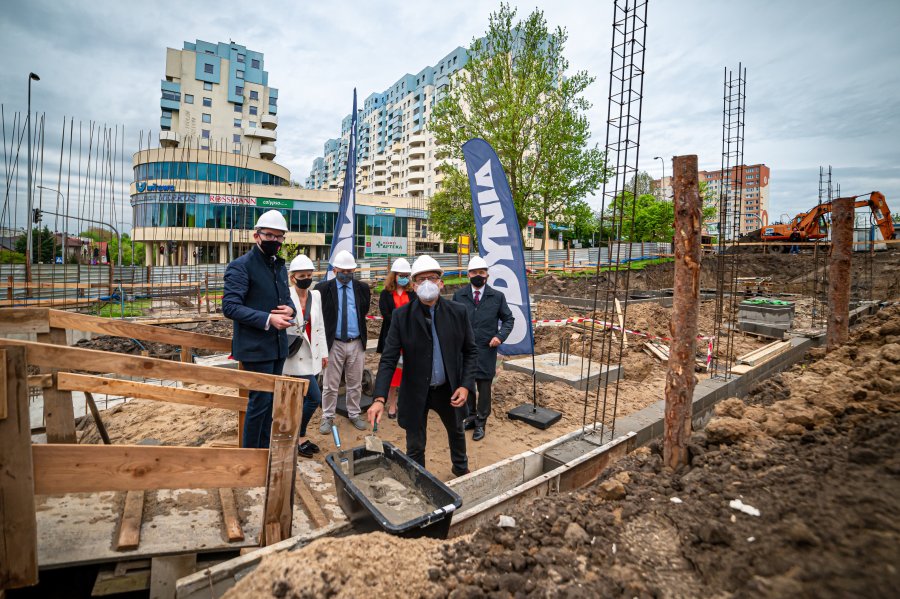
(258, 421)
(311, 402)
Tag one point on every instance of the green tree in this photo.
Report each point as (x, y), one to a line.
(98, 234)
(654, 220)
(41, 245)
(450, 210)
(515, 94)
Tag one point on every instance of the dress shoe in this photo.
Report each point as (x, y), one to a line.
(458, 472)
(303, 452)
(469, 423)
(479, 433)
(310, 447)
(392, 416)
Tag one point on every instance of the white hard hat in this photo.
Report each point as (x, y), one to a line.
(343, 259)
(400, 265)
(426, 264)
(301, 262)
(476, 262)
(272, 219)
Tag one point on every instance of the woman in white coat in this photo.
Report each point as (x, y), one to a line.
(309, 349)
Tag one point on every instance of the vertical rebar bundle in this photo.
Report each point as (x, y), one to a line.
(685, 308)
(729, 225)
(564, 348)
(839, 277)
(623, 130)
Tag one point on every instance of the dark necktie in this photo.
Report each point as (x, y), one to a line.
(477, 296)
(344, 313)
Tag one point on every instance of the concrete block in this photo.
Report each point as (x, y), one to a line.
(574, 373)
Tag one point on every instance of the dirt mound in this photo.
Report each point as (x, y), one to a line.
(377, 565)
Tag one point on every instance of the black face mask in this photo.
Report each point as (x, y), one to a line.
(303, 283)
(478, 281)
(269, 247)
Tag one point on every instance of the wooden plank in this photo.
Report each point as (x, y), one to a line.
(312, 507)
(18, 524)
(63, 468)
(278, 511)
(232, 521)
(130, 523)
(91, 360)
(765, 353)
(133, 330)
(24, 320)
(44, 381)
(95, 413)
(59, 413)
(657, 350)
(4, 396)
(165, 572)
(28, 304)
(186, 354)
(98, 384)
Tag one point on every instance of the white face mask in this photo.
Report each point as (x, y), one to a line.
(428, 291)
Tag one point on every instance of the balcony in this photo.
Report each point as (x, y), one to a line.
(415, 188)
(268, 121)
(267, 151)
(266, 134)
(417, 152)
(417, 139)
(168, 139)
(418, 163)
(396, 158)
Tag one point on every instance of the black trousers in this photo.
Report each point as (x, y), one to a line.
(439, 401)
(258, 420)
(480, 408)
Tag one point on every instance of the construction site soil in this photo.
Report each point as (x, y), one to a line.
(793, 492)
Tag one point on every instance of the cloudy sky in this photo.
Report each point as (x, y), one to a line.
(823, 75)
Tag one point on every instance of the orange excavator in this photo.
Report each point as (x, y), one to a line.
(811, 226)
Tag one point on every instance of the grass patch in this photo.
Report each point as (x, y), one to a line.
(132, 309)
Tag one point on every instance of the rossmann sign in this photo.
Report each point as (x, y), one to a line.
(143, 186)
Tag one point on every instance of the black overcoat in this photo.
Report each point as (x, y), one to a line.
(490, 318)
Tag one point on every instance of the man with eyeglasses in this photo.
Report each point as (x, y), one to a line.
(257, 298)
(439, 356)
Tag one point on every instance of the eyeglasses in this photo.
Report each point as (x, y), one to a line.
(270, 236)
(432, 278)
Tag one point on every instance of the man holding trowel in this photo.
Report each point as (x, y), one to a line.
(439, 356)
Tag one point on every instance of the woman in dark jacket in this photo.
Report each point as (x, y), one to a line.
(397, 292)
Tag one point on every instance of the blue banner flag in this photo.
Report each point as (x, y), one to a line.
(500, 239)
(344, 228)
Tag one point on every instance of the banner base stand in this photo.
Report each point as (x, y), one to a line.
(537, 417)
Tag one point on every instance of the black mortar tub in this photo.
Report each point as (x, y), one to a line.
(366, 517)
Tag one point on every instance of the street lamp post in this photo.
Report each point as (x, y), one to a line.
(662, 182)
(28, 237)
(231, 229)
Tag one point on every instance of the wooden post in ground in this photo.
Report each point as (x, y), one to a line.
(278, 509)
(839, 273)
(59, 414)
(685, 306)
(18, 524)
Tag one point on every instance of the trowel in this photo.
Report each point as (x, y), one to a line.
(373, 443)
(346, 461)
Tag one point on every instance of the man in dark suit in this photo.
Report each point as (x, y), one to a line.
(492, 322)
(438, 365)
(258, 300)
(345, 303)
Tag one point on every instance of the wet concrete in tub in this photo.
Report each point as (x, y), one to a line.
(393, 493)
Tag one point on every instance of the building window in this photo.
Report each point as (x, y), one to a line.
(240, 74)
(238, 108)
(207, 118)
(236, 138)
(240, 58)
(238, 90)
(253, 124)
(253, 110)
(207, 86)
(207, 102)
(188, 99)
(237, 122)
(206, 134)
(167, 95)
(208, 68)
(254, 63)
(254, 95)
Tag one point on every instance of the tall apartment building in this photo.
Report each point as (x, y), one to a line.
(754, 195)
(396, 152)
(217, 97)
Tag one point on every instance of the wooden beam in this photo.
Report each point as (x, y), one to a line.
(24, 320)
(58, 302)
(165, 572)
(232, 521)
(91, 360)
(18, 524)
(133, 330)
(43, 381)
(278, 511)
(95, 413)
(313, 509)
(98, 384)
(63, 468)
(765, 353)
(130, 523)
(59, 413)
